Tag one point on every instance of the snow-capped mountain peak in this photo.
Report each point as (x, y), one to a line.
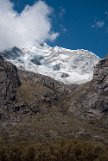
(65, 65)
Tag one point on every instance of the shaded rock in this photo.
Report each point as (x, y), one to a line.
(56, 67)
(11, 54)
(37, 59)
(64, 75)
(9, 82)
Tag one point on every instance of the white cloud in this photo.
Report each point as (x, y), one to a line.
(32, 24)
(53, 36)
(98, 24)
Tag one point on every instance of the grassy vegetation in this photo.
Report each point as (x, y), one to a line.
(21, 134)
(61, 150)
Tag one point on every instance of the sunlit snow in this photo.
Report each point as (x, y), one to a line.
(65, 65)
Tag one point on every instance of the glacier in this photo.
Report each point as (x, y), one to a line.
(64, 65)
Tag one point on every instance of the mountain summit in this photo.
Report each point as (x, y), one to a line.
(65, 65)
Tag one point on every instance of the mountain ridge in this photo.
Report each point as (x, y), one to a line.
(64, 65)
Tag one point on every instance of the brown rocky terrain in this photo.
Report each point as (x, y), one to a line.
(36, 107)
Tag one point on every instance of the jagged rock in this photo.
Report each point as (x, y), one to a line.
(11, 54)
(92, 98)
(56, 67)
(64, 75)
(37, 59)
(9, 82)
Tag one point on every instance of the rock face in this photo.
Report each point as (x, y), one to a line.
(92, 98)
(9, 82)
(100, 79)
(100, 83)
(13, 53)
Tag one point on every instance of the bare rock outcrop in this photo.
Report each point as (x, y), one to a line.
(91, 99)
(9, 82)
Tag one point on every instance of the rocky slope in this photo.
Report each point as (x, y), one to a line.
(91, 99)
(37, 107)
(37, 92)
(27, 93)
(64, 65)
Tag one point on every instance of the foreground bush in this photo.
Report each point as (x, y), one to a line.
(65, 150)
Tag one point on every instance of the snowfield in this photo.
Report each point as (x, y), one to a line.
(65, 65)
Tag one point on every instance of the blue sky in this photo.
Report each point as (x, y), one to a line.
(82, 24)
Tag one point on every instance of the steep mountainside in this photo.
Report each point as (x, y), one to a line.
(64, 65)
(91, 99)
(9, 82)
(37, 107)
(28, 93)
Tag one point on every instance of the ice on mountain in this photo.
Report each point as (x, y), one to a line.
(65, 65)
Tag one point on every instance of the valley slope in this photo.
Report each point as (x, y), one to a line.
(36, 107)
